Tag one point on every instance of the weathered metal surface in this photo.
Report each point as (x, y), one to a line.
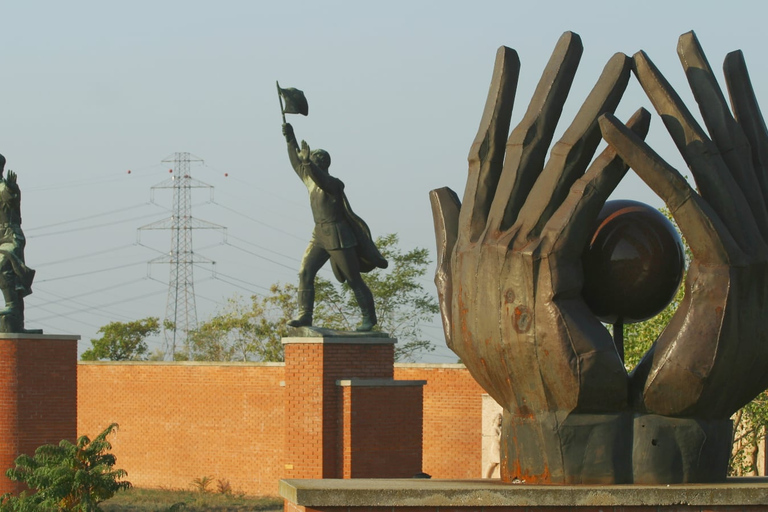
(510, 275)
(633, 263)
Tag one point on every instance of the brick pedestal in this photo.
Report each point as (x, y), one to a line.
(340, 398)
(381, 428)
(38, 395)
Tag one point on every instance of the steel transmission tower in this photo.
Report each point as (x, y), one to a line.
(181, 311)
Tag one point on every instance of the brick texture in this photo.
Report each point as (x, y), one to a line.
(179, 422)
(381, 434)
(312, 400)
(452, 419)
(38, 398)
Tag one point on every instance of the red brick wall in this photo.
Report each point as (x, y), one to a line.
(181, 421)
(452, 419)
(38, 397)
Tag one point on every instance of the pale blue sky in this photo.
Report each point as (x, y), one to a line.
(92, 89)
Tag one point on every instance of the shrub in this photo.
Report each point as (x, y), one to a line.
(66, 476)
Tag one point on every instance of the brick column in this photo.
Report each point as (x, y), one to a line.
(313, 364)
(381, 428)
(38, 395)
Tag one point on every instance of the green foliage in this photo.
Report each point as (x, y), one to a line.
(252, 332)
(167, 500)
(202, 484)
(67, 476)
(122, 341)
(749, 426)
(238, 333)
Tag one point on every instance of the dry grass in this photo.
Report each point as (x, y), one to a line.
(162, 500)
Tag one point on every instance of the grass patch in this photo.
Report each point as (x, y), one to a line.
(164, 500)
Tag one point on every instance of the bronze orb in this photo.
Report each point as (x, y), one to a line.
(633, 264)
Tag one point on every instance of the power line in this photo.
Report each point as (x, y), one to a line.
(84, 256)
(87, 217)
(94, 226)
(91, 272)
(258, 221)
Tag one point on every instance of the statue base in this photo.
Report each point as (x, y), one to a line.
(321, 332)
(346, 415)
(38, 395)
(394, 495)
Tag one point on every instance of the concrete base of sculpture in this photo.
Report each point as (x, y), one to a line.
(38, 395)
(607, 449)
(357, 495)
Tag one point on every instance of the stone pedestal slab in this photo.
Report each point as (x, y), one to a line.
(394, 495)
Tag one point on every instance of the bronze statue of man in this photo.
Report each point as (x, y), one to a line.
(339, 235)
(15, 277)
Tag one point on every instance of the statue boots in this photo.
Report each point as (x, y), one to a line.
(306, 308)
(13, 304)
(365, 301)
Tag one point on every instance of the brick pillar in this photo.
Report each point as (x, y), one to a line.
(381, 428)
(312, 367)
(38, 395)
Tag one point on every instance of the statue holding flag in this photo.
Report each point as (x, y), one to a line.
(339, 235)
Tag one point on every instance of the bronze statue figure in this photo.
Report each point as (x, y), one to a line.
(510, 274)
(15, 277)
(339, 235)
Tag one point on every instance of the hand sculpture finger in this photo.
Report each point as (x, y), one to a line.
(709, 240)
(571, 155)
(445, 213)
(748, 115)
(529, 141)
(723, 128)
(486, 156)
(568, 230)
(713, 178)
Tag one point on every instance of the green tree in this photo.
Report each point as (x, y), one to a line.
(253, 332)
(66, 476)
(239, 332)
(122, 341)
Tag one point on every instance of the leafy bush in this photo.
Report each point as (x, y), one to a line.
(66, 476)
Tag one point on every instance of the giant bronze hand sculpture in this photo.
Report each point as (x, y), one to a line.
(713, 357)
(509, 275)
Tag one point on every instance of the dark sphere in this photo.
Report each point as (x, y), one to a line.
(633, 264)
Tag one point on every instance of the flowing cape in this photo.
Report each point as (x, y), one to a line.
(368, 254)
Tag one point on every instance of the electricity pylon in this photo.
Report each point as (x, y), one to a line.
(181, 311)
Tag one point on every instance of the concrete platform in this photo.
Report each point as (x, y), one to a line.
(425, 493)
